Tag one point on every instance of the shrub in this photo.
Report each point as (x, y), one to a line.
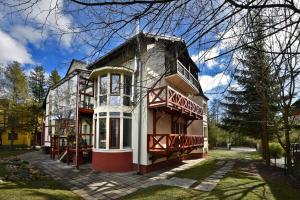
(276, 150)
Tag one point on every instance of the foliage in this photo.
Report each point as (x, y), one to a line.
(37, 84)
(54, 78)
(276, 150)
(250, 108)
(16, 82)
(216, 135)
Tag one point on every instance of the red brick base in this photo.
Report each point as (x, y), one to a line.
(112, 161)
(122, 162)
(160, 165)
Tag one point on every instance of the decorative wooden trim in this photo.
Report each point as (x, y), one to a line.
(172, 99)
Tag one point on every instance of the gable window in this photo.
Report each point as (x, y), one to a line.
(103, 90)
(115, 89)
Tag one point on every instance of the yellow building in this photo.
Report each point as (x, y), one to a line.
(20, 136)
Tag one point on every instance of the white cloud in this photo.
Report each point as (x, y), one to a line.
(46, 16)
(210, 82)
(27, 34)
(12, 50)
(207, 57)
(50, 15)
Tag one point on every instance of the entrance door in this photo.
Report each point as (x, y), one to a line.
(114, 133)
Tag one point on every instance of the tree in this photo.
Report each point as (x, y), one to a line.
(252, 107)
(37, 84)
(54, 78)
(17, 82)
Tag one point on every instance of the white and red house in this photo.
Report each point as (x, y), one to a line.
(139, 107)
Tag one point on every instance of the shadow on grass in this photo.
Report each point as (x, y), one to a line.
(31, 190)
(280, 185)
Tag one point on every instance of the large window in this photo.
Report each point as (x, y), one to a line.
(102, 133)
(114, 132)
(115, 89)
(103, 90)
(126, 133)
(127, 90)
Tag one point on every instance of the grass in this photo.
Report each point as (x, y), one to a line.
(4, 153)
(42, 189)
(243, 182)
(199, 171)
(35, 190)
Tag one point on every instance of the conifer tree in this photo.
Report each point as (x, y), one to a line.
(250, 109)
(54, 78)
(37, 84)
(16, 82)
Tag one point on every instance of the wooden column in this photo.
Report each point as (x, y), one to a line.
(154, 121)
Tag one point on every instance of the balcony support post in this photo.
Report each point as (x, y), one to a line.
(154, 121)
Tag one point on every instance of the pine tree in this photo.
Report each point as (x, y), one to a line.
(54, 78)
(250, 109)
(17, 82)
(37, 84)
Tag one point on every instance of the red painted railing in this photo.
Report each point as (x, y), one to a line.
(168, 143)
(169, 97)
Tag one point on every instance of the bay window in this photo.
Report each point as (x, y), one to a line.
(103, 90)
(127, 90)
(102, 131)
(115, 89)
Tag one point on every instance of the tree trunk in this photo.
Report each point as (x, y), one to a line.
(288, 151)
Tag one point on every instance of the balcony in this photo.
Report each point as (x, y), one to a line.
(166, 144)
(183, 78)
(168, 98)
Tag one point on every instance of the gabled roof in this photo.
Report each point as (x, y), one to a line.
(107, 57)
(76, 64)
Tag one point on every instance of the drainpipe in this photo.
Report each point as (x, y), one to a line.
(139, 67)
(77, 120)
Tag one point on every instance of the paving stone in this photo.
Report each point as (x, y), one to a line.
(206, 186)
(179, 182)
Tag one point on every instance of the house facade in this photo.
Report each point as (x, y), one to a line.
(146, 107)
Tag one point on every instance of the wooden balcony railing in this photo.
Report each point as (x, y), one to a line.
(169, 97)
(164, 144)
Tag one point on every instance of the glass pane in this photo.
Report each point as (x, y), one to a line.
(102, 133)
(115, 100)
(103, 84)
(126, 101)
(126, 133)
(115, 84)
(127, 114)
(87, 139)
(114, 133)
(127, 85)
(102, 114)
(102, 100)
(114, 114)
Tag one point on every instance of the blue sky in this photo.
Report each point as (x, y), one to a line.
(34, 43)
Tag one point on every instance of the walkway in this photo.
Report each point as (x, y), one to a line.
(207, 185)
(90, 184)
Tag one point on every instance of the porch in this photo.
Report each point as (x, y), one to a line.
(174, 113)
(166, 144)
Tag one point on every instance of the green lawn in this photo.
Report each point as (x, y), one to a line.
(249, 179)
(35, 190)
